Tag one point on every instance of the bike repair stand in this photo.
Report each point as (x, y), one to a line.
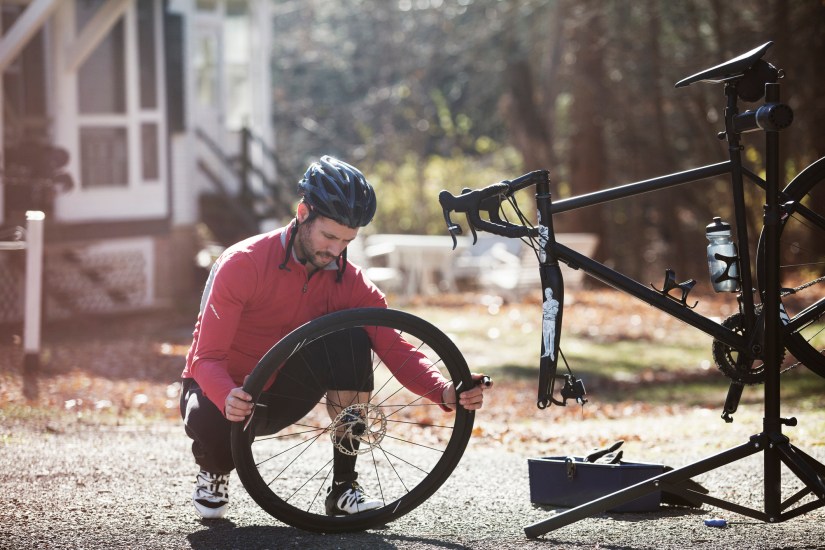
(772, 442)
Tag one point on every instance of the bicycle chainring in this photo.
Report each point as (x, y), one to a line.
(742, 369)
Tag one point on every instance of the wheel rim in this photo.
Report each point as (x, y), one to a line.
(408, 446)
(802, 266)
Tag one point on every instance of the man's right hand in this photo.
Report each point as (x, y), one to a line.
(238, 405)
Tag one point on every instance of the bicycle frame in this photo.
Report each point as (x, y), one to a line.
(552, 252)
(620, 281)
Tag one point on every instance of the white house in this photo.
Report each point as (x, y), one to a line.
(150, 99)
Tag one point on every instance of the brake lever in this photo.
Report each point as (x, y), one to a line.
(453, 228)
(472, 230)
(464, 191)
(487, 199)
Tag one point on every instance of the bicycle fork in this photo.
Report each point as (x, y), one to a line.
(552, 286)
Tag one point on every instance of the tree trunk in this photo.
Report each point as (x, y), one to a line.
(588, 156)
(526, 109)
(526, 121)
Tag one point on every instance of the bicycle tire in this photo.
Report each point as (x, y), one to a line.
(287, 475)
(802, 265)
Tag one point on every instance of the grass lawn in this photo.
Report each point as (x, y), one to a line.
(627, 353)
(623, 350)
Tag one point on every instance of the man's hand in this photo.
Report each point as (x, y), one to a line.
(470, 399)
(238, 405)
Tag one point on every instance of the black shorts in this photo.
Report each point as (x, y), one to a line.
(340, 361)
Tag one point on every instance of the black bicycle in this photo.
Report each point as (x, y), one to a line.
(409, 445)
(738, 342)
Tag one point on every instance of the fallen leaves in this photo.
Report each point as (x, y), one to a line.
(131, 366)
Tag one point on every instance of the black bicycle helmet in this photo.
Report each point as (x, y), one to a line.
(338, 191)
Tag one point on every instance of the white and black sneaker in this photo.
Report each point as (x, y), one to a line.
(347, 497)
(211, 496)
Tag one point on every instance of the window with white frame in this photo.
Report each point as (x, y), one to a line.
(237, 31)
(119, 110)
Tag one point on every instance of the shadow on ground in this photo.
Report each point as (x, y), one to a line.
(225, 534)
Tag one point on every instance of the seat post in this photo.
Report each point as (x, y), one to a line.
(735, 153)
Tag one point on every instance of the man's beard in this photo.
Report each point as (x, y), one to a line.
(317, 259)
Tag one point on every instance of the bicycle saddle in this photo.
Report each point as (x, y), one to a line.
(728, 70)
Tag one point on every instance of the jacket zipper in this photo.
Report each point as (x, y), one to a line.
(306, 282)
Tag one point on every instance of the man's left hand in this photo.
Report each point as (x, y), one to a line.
(471, 399)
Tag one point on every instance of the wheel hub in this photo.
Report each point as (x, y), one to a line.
(362, 422)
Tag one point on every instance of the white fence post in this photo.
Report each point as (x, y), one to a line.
(33, 300)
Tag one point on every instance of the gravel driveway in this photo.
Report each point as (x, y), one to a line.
(67, 484)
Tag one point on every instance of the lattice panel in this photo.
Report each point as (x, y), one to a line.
(12, 265)
(98, 278)
(103, 277)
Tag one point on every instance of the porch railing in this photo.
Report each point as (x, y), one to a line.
(261, 195)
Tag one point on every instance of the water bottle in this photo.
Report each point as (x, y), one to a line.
(724, 273)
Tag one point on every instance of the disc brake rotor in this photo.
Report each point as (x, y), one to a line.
(362, 422)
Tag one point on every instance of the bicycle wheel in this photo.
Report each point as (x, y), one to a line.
(408, 445)
(802, 266)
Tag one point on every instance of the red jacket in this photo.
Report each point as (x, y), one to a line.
(249, 304)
